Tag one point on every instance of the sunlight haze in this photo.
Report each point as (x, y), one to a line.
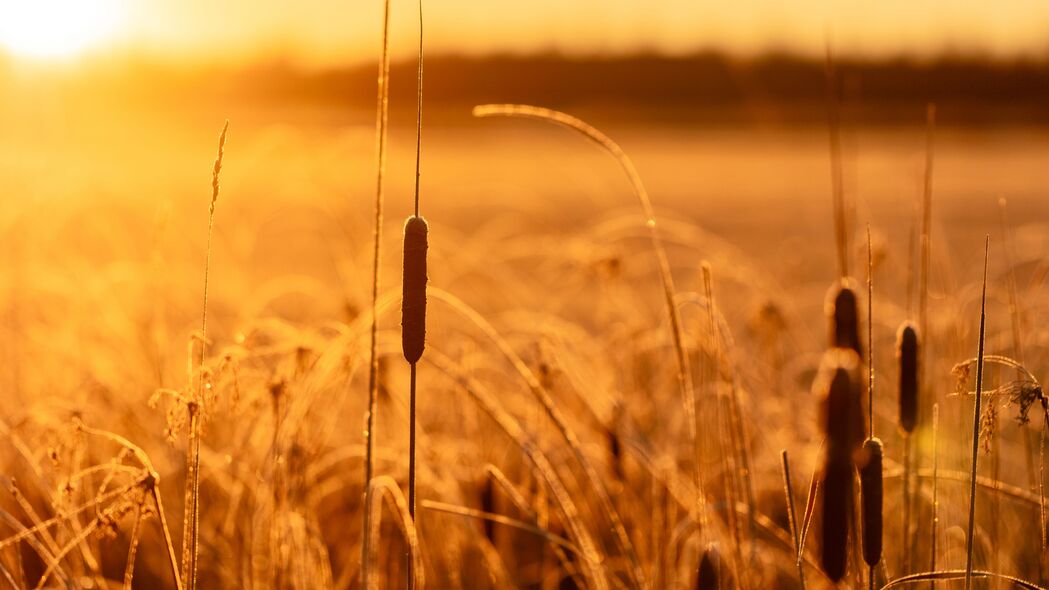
(325, 32)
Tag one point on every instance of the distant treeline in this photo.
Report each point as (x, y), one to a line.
(711, 85)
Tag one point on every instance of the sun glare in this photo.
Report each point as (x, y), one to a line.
(51, 29)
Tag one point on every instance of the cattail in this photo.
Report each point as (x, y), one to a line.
(907, 350)
(488, 506)
(709, 575)
(842, 309)
(837, 505)
(871, 498)
(840, 387)
(413, 304)
(615, 450)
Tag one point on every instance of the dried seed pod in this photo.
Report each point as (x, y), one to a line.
(842, 309)
(908, 348)
(871, 500)
(413, 302)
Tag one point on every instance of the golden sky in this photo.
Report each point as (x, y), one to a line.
(323, 32)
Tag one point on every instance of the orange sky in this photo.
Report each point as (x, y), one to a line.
(323, 32)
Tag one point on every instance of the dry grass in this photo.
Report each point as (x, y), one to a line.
(560, 437)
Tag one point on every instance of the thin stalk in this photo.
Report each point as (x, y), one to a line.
(870, 360)
(935, 489)
(411, 462)
(976, 425)
(132, 552)
(906, 545)
(738, 435)
(925, 243)
(870, 334)
(788, 492)
(166, 530)
(198, 403)
(412, 436)
(381, 117)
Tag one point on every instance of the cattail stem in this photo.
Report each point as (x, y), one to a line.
(925, 242)
(411, 463)
(906, 493)
(935, 489)
(976, 425)
(413, 302)
(788, 492)
(870, 334)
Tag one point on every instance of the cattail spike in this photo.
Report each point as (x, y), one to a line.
(413, 303)
(839, 386)
(908, 347)
(842, 309)
(871, 493)
(710, 575)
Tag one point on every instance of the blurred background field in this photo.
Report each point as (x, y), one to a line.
(105, 167)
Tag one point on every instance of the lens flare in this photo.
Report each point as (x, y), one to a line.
(54, 29)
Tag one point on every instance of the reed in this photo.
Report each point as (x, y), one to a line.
(792, 517)
(976, 424)
(935, 490)
(381, 118)
(413, 296)
(839, 390)
(191, 520)
(378, 489)
(908, 352)
(738, 436)
(871, 494)
(842, 308)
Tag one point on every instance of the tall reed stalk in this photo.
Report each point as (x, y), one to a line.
(935, 490)
(976, 425)
(191, 519)
(413, 298)
(381, 117)
(788, 493)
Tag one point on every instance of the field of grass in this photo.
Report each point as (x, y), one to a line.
(555, 447)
